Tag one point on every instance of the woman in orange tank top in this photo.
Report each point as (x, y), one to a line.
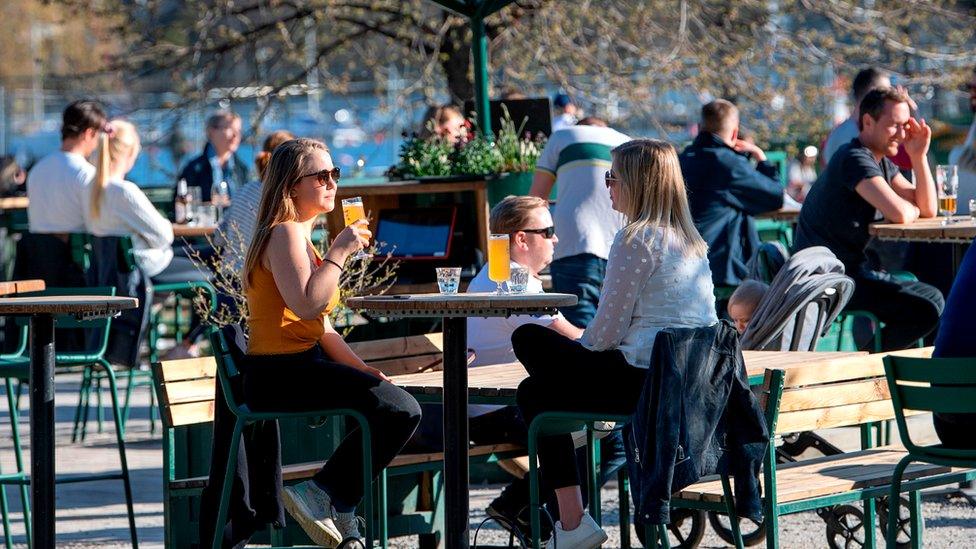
(295, 359)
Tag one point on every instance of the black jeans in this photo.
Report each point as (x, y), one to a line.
(565, 376)
(909, 310)
(309, 381)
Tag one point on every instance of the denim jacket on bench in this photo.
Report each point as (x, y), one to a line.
(696, 416)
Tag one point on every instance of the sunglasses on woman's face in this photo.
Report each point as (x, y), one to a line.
(610, 179)
(324, 176)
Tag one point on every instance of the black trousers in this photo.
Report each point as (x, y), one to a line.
(909, 310)
(309, 381)
(565, 376)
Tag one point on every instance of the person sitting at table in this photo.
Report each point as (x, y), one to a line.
(55, 189)
(236, 229)
(295, 359)
(657, 277)
(114, 206)
(725, 191)
(219, 160)
(859, 180)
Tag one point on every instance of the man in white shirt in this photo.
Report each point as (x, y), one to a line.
(56, 187)
(578, 158)
(566, 112)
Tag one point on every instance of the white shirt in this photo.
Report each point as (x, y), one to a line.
(491, 338)
(651, 284)
(563, 121)
(841, 135)
(127, 211)
(55, 187)
(237, 228)
(579, 157)
(964, 156)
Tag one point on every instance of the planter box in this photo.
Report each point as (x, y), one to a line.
(517, 184)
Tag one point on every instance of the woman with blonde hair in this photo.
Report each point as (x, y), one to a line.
(657, 278)
(295, 359)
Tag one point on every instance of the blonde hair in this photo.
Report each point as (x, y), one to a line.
(270, 143)
(113, 146)
(289, 161)
(512, 213)
(653, 192)
(749, 294)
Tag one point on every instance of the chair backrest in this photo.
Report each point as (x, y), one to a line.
(828, 393)
(185, 390)
(938, 385)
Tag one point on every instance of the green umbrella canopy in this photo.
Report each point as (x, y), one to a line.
(476, 11)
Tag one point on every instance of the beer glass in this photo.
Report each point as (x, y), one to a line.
(499, 263)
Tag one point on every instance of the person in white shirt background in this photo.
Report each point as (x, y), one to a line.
(567, 113)
(964, 155)
(55, 189)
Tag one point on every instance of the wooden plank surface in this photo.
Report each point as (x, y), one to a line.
(181, 230)
(962, 230)
(782, 214)
(19, 286)
(398, 347)
(467, 304)
(74, 304)
(187, 368)
(830, 369)
(14, 203)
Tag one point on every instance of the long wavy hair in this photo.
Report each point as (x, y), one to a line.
(112, 148)
(653, 192)
(288, 162)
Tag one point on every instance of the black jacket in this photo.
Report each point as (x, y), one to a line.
(198, 172)
(724, 192)
(696, 417)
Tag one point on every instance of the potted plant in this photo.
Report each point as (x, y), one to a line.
(519, 154)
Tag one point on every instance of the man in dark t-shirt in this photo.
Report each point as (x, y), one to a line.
(860, 180)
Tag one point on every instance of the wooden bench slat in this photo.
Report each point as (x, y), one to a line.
(399, 347)
(409, 365)
(824, 476)
(835, 394)
(844, 368)
(188, 414)
(183, 369)
(837, 416)
(197, 390)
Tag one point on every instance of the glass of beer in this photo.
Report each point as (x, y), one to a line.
(499, 263)
(353, 211)
(947, 185)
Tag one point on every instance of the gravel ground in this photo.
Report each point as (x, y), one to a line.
(93, 514)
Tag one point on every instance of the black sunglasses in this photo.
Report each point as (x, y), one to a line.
(324, 175)
(547, 233)
(610, 179)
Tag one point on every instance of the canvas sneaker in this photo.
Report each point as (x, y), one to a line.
(588, 535)
(311, 506)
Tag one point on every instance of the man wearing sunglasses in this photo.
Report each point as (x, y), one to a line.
(575, 160)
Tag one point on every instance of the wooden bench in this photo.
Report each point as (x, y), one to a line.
(850, 391)
(186, 391)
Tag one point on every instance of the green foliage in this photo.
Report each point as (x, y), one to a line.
(424, 157)
(476, 157)
(518, 153)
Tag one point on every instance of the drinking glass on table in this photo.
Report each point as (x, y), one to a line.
(519, 281)
(353, 211)
(448, 279)
(947, 185)
(499, 262)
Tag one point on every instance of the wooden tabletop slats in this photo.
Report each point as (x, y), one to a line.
(14, 203)
(67, 304)
(461, 305)
(183, 230)
(20, 286)
(782, 214)
(961, 230)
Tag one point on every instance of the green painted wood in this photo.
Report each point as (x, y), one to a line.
(946, 371)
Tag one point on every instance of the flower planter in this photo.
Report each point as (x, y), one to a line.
(517, 183)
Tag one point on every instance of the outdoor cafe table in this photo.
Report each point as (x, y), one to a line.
(181, 230)
(455, 309)
(959, 233)
(790, 215)
(42, 311)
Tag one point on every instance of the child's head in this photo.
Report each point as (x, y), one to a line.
(744, 301)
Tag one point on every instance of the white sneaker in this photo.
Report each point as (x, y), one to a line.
(588, 535)
(312, 508)
(600, 430)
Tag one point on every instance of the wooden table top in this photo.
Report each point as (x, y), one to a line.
(501, 381)
(409, 186)
(14, 203)
(782, 214)
(961, 231)
(463, 304)
(66, 304)
(20, 286)
(183, 230)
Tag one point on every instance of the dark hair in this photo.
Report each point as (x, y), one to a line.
(592, 121)
(715, 115)
(874, 102)
(865, 81)
(270, 143)
(80, 116)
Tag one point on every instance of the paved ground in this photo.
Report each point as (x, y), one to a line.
(93, 514)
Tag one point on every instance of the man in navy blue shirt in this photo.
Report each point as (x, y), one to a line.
(860, 180)
(725, 190)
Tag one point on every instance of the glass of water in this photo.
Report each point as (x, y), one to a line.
(972, 208)
(448, 279)
(947, 184)
(518, 282)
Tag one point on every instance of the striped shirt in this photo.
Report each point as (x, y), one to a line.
(237, 227)
(579, 156)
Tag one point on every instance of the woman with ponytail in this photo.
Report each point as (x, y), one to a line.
(237, 227)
